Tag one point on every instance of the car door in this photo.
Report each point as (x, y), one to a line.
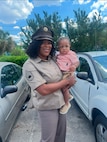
(81, 89)
(9, 76)
(23, 90)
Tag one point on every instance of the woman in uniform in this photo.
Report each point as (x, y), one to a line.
(45, 79)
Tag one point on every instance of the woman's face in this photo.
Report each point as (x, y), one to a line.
(45, 49)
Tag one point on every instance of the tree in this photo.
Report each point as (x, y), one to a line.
(81, 41)
(6, 42)
(53, 21)
(85, 34)
(71, 31)
(96, 32)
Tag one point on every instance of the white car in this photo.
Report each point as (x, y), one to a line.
(14, 91)
(90, 90)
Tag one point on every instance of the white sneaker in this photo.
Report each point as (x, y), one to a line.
(71, 97)
(65, 108)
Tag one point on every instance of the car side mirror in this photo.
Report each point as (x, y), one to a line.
(84, 76)
(8, 89)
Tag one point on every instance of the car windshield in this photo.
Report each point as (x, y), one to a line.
(101, 62)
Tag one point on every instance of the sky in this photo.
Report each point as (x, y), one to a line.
(14, 13)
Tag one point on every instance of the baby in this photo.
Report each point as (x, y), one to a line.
(67, 61)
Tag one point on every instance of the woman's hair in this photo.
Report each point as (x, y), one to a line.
(34, 48)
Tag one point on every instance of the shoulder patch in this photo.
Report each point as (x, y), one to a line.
(29, 76)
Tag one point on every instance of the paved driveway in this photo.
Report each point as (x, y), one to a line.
(27, 129)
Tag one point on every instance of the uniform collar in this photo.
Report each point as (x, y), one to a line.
(38, 59)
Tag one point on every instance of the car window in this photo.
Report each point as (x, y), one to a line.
(18, 70)
(101, 62)
(9, 76)
(84, 67)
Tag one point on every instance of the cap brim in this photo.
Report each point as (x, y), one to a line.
(43, 38)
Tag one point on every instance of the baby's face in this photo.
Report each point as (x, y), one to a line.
(64, 46)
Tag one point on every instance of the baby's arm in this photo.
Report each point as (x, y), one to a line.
(77, 63)
(72, 68)
(74, 61)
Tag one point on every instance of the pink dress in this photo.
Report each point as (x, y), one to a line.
(66, 61)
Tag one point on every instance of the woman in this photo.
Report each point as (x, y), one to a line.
(45, 79)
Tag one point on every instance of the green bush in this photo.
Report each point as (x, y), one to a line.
(15, 59)
(17, 52)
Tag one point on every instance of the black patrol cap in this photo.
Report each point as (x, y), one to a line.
(43, 33)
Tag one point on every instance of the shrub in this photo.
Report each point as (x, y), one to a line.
(17, 52)
(15, 59)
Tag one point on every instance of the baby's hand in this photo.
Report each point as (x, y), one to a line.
(72, 68)
(72, 81)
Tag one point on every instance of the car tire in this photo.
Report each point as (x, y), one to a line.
(0, 139)
(100, 129)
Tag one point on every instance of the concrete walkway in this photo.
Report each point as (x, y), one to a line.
(27, 128)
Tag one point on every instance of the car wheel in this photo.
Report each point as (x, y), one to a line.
(100, 129)
(0, 139)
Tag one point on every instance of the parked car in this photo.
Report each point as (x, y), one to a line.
(90, 90)
(14, 91)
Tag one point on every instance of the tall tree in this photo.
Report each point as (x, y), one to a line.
(85, 34)
(53, 21)
(81, 18)
(6, 42)
(95, 31)
(71, 31)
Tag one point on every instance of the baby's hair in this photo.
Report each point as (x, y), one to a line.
(63, 37)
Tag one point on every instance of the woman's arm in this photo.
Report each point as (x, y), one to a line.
(47, 89)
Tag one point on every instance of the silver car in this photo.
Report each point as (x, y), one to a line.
(90, 90)
(14, 91)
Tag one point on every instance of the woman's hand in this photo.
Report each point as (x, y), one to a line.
(71, 81)
(46, 89)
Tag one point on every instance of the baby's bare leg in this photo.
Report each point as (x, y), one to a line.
(66, 95)
(67, 105)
